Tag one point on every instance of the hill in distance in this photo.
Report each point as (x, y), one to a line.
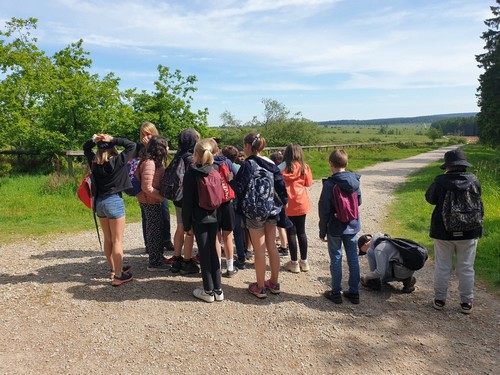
(399, 120)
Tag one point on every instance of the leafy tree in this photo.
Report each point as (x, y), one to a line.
(433, 133)
(489, 90)
(228, 120)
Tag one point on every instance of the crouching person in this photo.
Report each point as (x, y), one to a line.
(385, 262)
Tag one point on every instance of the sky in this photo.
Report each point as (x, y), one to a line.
(327, 59)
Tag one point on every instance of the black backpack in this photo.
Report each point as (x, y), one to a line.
(414, 255)
(463, 210)
(171, 182)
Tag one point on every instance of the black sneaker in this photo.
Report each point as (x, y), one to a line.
(283, 251)
(168, 245)
(240, 265)
(162, 267)
(438, 304)
(466, 308)
(409, 284)
(122, 279)
(189, 267)
(373, 284)
(353, 297)
(176, 264)
(231, 273)
(334, 297)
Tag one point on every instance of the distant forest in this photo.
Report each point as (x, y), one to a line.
(398, 120)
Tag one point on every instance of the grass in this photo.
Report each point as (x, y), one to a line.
(410, 213)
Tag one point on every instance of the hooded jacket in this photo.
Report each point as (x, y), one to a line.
(296, 183)
(328, 223)
(187, 140)
(435, 195)
(111, 177)
(191, 211)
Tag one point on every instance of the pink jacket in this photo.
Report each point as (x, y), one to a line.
(296, 183)
(150, 178)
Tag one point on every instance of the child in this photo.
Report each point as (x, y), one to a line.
(298, 176)
(337, 232)
(262, 230)
(149, 172)
(203, 223)
(110, 176)
(186, 141)
(461, 243)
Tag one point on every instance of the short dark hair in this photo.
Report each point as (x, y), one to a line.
(362, 241)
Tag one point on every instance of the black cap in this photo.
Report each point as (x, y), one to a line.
(455, 158)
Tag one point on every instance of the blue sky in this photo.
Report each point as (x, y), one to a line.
(328, 59)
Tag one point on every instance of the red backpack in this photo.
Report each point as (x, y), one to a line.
(227, 191)
(346, 204)
(210, 190)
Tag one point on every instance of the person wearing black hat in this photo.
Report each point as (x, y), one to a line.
(385, 262)
(458, 241)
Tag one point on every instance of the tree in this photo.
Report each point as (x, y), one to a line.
(228, 120)
(488, 119)
(433, 133)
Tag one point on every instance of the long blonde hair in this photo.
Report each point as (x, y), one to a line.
(148, 128)
(203, 149)
(103, 156)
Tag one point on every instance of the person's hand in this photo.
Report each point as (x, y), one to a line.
(145, 139)
(363, 281)
(105, 138)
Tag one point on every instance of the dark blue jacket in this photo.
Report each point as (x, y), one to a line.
(328, 223)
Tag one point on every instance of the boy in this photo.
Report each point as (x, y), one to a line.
(338, 232)
(461, 242)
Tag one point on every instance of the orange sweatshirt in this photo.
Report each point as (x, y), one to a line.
(296, 183)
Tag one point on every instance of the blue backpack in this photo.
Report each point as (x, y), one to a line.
(258, 199)
(136, 183)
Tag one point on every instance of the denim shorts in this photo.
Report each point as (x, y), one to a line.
(110, 206)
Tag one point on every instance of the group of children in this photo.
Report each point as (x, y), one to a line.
(258, 208)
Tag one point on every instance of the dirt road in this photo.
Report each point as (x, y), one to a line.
(59, 315)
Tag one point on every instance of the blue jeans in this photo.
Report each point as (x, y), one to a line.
(110, 206)
(238, 238)
(350, 242)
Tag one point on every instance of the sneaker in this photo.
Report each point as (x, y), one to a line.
(272, 287)
(409, 284)
(438, 304)
(240, 265)
(189, 267)
(159, 267)
(200, 293)
(304, 265)
(125, 269)
(169, 260)
(283, 251)
(196, 258)
(249, 255)
(353, 297)
(122, 279)
(169, 246)
(230, 274)
(334, 297)
(466, 307)
(219, 295)
(373, 284)
(176, 264)
(294, 268)
(256, 291)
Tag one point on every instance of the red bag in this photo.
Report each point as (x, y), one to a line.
(84, 191)
(210, 190)
(346, 204)
(227, 190)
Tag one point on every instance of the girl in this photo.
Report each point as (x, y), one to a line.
(109, 174)
(203, 222)
(263, 231)
(148, 130)
(150, 171)
(297, 177)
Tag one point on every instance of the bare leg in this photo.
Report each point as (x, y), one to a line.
(259, 246)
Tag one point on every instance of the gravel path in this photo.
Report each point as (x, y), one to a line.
(59, 314)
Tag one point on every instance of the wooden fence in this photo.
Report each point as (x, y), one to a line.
(70, 154)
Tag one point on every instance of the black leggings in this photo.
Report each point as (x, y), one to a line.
(209, 261)
(297, 233)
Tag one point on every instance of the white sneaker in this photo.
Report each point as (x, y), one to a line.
(294, 268)
(201, 294)
(219, 295)
(304, 265)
